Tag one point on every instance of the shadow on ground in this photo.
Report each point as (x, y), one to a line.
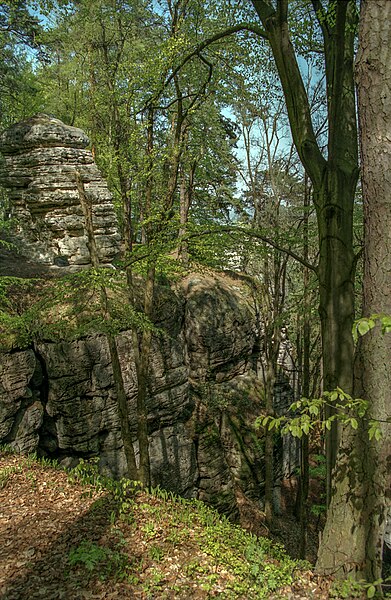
(49, 577)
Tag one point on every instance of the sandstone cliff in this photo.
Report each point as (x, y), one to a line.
(58, 398)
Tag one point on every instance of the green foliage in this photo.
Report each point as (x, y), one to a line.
(32, 458)
(5, 474)
(111, 564)
(88, 554)
(318, 509)
(21, 44)
(319, 469)
(351, 588)
(258, 565)
(122, 491)
(347, 410)
(156, 553)
(7, 449)
(87, 302)
(86, 472)
(365, 324)
(218, 250)
(27, 461)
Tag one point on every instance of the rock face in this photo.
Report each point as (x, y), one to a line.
(41, 158)
(204, 392)
(204, 395)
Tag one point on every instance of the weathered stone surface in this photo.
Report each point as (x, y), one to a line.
(16, 373)
(44, 131)
(203, 395)
(27, 430)
(41, 158)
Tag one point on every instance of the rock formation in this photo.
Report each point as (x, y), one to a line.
(42, 156)
(58, 398)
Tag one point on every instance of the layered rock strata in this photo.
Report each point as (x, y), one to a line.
(41, 159)
(58, 398)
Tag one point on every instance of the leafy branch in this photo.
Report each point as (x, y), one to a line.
(67, 308)
(365, 324)
(309, 414)
(252, 234)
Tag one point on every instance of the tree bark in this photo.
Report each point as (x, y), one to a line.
(122, 402)
(354, 533)
(334, 203)
(305, 383)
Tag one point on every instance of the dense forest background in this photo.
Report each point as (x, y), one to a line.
(227, 133)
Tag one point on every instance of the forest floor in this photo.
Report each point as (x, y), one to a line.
(68, 536)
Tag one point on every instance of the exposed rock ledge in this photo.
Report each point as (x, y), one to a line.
(58, 398)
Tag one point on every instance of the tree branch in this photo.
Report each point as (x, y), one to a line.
(321, 17)
(252, 27)
(296, 97)
(264, 9)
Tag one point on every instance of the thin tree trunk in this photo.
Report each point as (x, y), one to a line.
(305, 389)
(122, 404)
(142, 342)
(185, 198)
(142, 365)
(269, 382)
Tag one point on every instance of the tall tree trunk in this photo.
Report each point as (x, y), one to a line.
(334, 180)
(353, 536)
(334, 204)
(142, 360)
(142, 342)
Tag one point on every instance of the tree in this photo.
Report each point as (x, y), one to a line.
(20, 32)
(333, 178)
(358, 510)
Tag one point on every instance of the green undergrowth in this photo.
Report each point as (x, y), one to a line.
(256, 567)
(158, 545)
(174, 536)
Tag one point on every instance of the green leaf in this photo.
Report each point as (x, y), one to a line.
(354, 423)
(371, 591)
(374, 431)
(365, 325)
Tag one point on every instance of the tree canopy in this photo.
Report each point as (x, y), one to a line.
(228, 136)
